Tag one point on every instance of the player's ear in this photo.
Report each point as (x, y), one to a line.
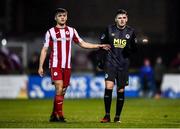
(127, 19)
(115, 19)
(55, 18)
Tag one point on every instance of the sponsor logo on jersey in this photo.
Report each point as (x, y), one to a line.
(61, 39)
(119, 43)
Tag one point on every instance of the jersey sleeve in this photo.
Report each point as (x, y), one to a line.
(47, 39)
(105, 37)
(76, 37)
(101, 53)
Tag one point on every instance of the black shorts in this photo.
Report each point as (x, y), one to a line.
(121, 77)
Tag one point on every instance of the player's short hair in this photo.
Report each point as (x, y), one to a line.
(60, 10)
(121, 11)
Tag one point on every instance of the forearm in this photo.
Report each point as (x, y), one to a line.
(88, 45)
(42, 57)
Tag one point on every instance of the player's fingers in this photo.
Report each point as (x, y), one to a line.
(109, 46)
(106, 48)
(41, 73)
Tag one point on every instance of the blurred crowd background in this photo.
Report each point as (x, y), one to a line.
(23, 25)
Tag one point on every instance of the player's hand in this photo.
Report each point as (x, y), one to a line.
(105, 46)
(41, 72)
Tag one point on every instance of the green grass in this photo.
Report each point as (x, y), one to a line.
(86, 113)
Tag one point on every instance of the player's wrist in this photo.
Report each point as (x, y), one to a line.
(100, 46)
(40, 66)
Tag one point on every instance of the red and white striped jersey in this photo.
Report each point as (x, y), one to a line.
(60, 41)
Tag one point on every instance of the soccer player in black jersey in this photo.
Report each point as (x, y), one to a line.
(122, 40)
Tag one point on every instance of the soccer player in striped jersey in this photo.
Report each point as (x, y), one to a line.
(59, 39)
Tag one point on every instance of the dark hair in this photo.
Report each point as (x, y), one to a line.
(121, 11)
(60, 10)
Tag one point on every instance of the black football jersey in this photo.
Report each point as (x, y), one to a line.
(123, 44)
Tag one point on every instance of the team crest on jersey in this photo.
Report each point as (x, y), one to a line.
(112, 34)
(127, 36)
(67, 32)
(103, 36)
(55, 73)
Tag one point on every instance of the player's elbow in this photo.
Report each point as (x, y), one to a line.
(83, 44)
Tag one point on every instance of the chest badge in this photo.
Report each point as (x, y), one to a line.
(127, 36)
(67, 32)
(112, 34)
(103, 36)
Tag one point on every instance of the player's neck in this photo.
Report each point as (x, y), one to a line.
(121, 27)
(61, 26)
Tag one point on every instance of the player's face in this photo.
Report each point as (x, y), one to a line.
(121, 20)
(61, 18)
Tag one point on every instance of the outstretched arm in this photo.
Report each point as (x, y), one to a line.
(41, 60)
(84, 44)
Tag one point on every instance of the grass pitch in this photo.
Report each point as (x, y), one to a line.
(86, 113)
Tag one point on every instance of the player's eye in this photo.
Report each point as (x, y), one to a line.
(61, 15)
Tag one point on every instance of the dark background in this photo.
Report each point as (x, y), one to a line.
(158, 20)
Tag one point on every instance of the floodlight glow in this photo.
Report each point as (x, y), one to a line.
(4, 42)
(145, 40)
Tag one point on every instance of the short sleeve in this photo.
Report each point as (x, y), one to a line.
(76, 37)
(47, 39)
(105, 37)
